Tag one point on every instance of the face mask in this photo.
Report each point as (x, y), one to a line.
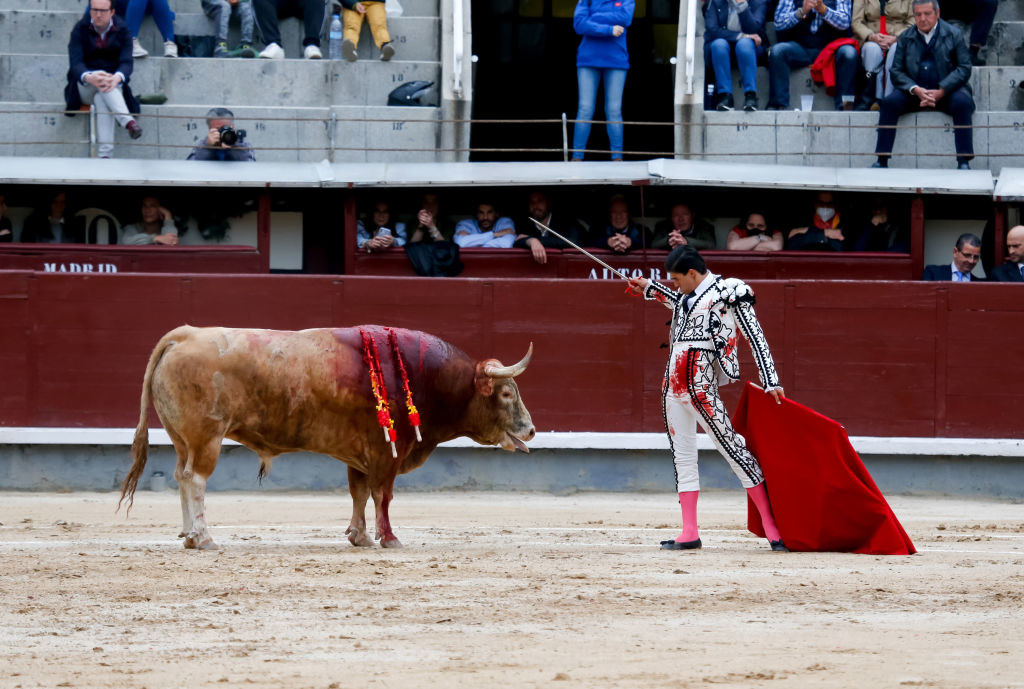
(826, 213)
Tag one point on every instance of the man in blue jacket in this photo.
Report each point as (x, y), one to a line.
(930, 71)
(100, 58)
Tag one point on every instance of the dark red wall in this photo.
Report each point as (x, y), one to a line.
(890, 359)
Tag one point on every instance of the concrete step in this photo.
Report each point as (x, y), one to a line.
(41, 129)
(294, 83)
(411, 8)
(847, 139)
(1006, 44)
(1010, 10)
(46, 31)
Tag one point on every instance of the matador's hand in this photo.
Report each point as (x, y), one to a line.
(778, 394)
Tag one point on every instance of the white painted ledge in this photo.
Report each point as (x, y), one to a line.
(869, 445)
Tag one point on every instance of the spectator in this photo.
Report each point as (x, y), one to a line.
(487, 230)
(877, 23)
(735, 27)
(382, 233)
(53, 223)
(880, 233)
(530, 237)
(223, 141)
(156, 225)
(221, 11)
(752, 234)
(825, 233)
(621, 234)
(164, 18)
(929, 72)
(100, 59)
(268, 12)
(602, 57)
(980, 14)
(377, 16)
(682, 228)
(6, 231)
(428, 226)
(805, 29)
(1013, 270)
(966, 255)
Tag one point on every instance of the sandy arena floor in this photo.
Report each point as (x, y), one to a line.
(512, 590)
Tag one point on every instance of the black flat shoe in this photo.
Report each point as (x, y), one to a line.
(778, 546)
(676, 545)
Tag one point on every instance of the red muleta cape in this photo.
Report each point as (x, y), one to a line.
(822, 496)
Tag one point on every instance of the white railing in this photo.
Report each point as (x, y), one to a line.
(691, 43)
(458, 47)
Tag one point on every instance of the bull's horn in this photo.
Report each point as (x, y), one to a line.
(510, 371)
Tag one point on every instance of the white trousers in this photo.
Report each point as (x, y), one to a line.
(691, 398)
(110, 106)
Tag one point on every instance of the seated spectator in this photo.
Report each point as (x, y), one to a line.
(221, 11)
(54, 223)
(223, 142)
(621, 234)
(268, 12)
(752, 234)
(880, 232)
(530, 237)
(487, 230)
(1013, 269)
(877, 29)
(980, 14)
(735, 27)
(100, 57)
(825, 233)
(428, 221)
(930, 72)
(681, 227)
(155, 226)
(966, 255)
(6, 231)
(376, 16)
(807, 29)
(164, 18)
(381, 233)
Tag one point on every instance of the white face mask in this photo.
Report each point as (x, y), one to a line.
(826, 214)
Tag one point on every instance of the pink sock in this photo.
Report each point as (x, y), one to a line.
(760, 497)
(688, 504)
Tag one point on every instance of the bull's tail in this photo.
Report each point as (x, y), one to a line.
(140, 445)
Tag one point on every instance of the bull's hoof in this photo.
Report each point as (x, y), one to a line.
(193, 542)
(390, 542)
(359, 538)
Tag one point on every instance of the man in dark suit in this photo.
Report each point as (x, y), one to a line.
(100, 57)
(966, 254)
(1012, 270)
(930, 71)
(529, 237)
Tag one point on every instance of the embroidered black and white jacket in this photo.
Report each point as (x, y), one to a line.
(711, 322)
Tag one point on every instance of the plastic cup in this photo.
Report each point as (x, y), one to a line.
(807, 102)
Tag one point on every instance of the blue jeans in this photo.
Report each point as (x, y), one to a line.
(747, 55)
(162, 15)
(588, 79)
(789, 55)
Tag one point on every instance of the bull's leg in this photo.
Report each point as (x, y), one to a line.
(381, 499)
(183, 486)
(356, 530)
(197, 470)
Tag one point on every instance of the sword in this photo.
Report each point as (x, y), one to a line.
(544, 228)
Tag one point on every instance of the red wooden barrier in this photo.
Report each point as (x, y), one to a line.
(888, 359)
(92, 258)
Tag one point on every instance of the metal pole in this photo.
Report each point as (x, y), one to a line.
(545, 228)
(565, 139)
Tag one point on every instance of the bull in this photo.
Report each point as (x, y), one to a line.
(283, 391)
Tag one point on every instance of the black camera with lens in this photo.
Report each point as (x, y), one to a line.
(229, 136)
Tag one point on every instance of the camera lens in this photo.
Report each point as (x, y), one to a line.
(228, 136)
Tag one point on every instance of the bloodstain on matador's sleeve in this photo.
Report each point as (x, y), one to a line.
(730, 346)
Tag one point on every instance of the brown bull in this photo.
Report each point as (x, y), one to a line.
(282, 391)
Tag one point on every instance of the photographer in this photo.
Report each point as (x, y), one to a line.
(381, 233)
(223, 141)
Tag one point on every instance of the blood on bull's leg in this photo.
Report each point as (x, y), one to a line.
(198, 467)
(360, 492)
(382, 495)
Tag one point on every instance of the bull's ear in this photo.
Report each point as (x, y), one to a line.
(484, 384)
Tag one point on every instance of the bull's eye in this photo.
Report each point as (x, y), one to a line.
(507, 394)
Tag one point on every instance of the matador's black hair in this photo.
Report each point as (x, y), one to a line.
(683, 258)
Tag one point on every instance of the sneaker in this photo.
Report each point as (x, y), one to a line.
(963, 165)
(725, 102)
(221, 49)
(170, 49)
(880, 163)
(348, 50)
(386, 52)
(750, 101)
(272, 52)
(244, 50)
(312, 52)
(134, 130)
(138, 50)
